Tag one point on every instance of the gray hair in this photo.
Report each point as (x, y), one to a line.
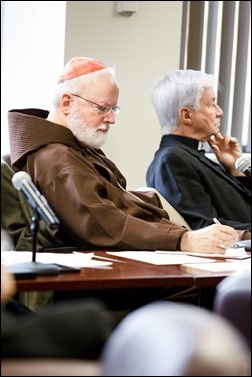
(77, 84)
(176, 89)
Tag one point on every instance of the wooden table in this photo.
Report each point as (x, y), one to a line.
(127, 282)
(124, 273)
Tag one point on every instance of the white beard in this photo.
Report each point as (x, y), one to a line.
(92, 138)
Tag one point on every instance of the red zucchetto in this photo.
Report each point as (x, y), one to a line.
(78, 66)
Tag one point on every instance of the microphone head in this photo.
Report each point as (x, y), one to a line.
(19, 178)
(243, 163)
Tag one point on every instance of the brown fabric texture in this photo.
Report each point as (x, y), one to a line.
(86, 190)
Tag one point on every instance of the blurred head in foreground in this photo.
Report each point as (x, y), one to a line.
(175, 339)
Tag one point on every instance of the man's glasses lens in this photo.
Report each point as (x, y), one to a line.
(103, 110)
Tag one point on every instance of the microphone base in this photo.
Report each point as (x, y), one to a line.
(30, 270)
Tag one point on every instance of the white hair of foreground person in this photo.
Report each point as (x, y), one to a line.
(175, 339)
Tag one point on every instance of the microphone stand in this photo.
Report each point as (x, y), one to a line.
(39, 268)
(32, 269)
(41, 211)
(34, 228)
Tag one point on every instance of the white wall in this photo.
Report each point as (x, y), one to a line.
(143, 46)
(36, 43)
(32, 46)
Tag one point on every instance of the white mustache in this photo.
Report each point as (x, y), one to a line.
(103, 128)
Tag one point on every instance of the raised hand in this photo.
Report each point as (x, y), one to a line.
(227, 150)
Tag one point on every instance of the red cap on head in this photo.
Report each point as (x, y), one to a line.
(78, 66)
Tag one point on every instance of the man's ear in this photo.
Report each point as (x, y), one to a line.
(185, 114)
(65, 102)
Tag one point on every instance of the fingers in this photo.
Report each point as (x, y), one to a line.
(212, 239)
(234, 140)
(228, 232)
(224, 140)
(214, 142)
(227, 237)
(218, 136)
(226, 244)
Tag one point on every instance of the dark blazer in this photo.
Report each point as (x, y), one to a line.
(197, 187)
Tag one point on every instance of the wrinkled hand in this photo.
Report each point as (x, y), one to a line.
(227, 150)
(212, 239)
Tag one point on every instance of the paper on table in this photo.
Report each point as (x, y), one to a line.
(231, 253)
(160, 259)
(74, 259)
(230, 266)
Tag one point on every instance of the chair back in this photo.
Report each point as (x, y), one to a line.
(174, 215)
(233, 301)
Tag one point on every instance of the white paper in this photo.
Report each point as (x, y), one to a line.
(228, 266)
(156, 258)
(231, 253)
(75, 259)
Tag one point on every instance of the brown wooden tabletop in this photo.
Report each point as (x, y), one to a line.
(123, 273)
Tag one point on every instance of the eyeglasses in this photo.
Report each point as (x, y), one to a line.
(102, 109)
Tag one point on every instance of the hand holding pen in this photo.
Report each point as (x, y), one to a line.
(222, 243)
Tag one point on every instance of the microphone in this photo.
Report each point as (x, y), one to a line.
(22, 181)
(243, 164)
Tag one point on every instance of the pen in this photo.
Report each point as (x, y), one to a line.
(216, 221)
